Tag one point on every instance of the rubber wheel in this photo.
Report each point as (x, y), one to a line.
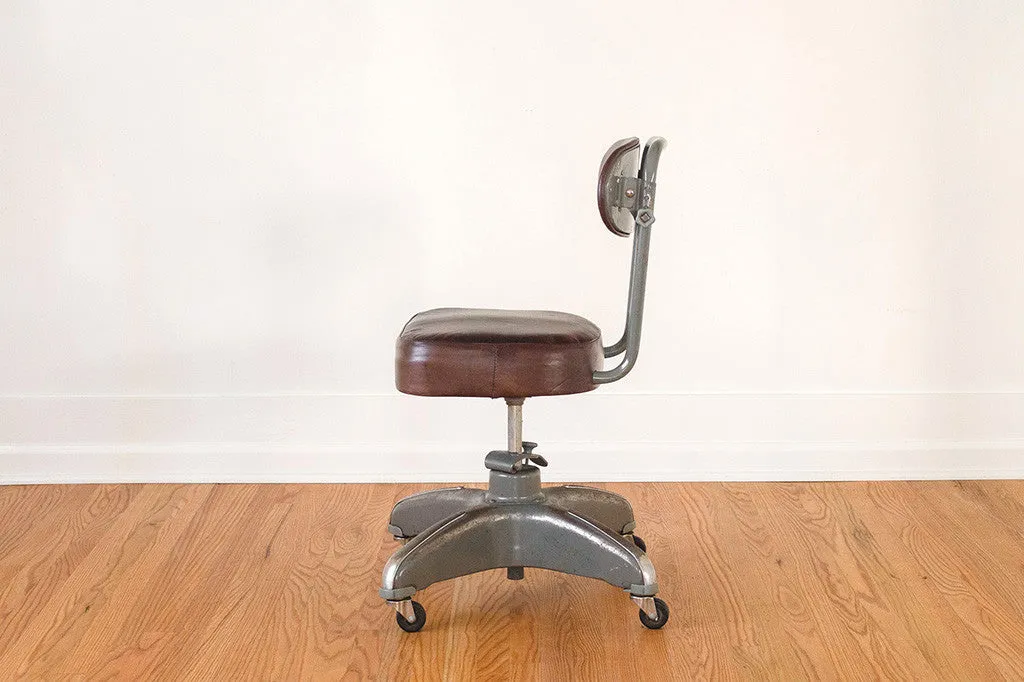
(415, 626)
(639, 542)
(653, 624)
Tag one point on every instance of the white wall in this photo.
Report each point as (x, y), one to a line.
(215, 217)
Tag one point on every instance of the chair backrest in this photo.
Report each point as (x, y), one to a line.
(625, 184)
(625, 199)
(619, 165)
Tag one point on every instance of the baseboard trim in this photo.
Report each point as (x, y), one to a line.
(593, 437)
(627, 461)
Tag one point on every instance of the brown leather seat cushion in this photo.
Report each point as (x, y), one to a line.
(497, 353)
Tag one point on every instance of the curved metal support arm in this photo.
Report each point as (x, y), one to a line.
(617, 348)
(630, 341)
(634, 311)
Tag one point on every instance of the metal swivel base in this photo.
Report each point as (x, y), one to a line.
(514, 524)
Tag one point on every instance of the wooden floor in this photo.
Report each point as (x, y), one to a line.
(891, 580)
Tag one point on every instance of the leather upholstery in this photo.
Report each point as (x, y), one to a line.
(497, 353)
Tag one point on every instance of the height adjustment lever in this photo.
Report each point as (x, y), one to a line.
(528, 451)
(511, 462)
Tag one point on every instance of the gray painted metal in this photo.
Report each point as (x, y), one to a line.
(503, 460)
(644, 216)
(511, 462)
(513, 488)
(605, 508)
(573, 529)
(397, 594)
(414, 514)
(520, 534)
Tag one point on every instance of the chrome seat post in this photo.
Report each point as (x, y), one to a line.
(515, 424)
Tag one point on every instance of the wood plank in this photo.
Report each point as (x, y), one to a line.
(92, 600)
(959, 568)
(786, 581)
(313, 595)
(43, 556)
(817, 549)
(710, 622)
(1001, 501)
(161, 632)
(895, 575)
(786, 631)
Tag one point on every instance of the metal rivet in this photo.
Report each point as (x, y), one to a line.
(630, 193)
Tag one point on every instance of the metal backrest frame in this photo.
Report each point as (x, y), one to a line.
(616, 194)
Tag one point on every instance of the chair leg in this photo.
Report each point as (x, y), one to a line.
(414, 514)
(607, 509)
(511, 535)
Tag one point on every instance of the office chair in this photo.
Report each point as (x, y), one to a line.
(518, 354)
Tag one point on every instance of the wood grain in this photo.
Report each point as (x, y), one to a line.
(965, 567)
(786, 581)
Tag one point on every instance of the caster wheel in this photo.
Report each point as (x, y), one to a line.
(421, 618)
(655, 624)
(639, 542)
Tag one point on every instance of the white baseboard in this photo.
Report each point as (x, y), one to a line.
(596, 437)
(682, 461)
